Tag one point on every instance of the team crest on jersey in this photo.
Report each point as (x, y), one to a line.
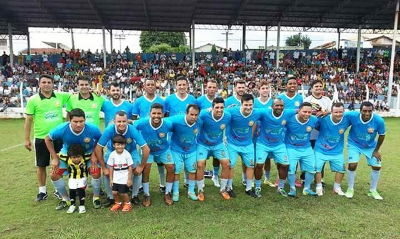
(195, 131)
(341, 131)
(128, 140)
(86, 140)
(94, 106)
(297, 103)
(222, 126)
(285, 158)
(283, 122)
(223, 153)
(370, 130)
(309, 129)
(169, 157)
(161, 135)
(251, 123)
(57, 104)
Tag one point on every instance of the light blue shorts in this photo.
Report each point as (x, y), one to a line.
(304, 156)
(278, 153)
(354, 153)
(165, 158)
(336, 162)
(188, 159)
(245, 152)
(219, 151)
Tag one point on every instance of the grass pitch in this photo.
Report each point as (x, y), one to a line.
(271, 216)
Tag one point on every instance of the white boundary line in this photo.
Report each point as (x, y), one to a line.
(15, 146)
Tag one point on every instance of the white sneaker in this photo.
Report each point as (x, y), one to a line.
(71, 209)
(82, 209)
(215, 180)
(319, 191)
(338, 191)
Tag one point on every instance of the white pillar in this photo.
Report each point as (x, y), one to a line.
(358, 49)
(11, 44)
(72, 39)
(111, 40)
(266, 38)
(396, 18)
(104, 48)
(193, 46)
(277, 45)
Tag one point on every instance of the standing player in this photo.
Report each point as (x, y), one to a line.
(297, 139)
(111, 106)
(239, 137)
(176, 104)
(44, 110)
(235, 99)
(87, 101)
(155, 130)
(183, 148)
(76, 131)
(133, 137)
(366, 125)
(210, 143)
(329, 146)
(270, 143)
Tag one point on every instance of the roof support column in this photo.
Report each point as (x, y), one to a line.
(111, 40)
(190, 40)
(277, 45)
(72, 39)
(28, 39)
(358, 49)
(244, 40)
(266, 38)
(11, 45)
(389, 94)
(338, 40)
(104, 48)
(193, 46)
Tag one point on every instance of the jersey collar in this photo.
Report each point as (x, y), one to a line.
(42, 97)
(162, 122)
(90, 97)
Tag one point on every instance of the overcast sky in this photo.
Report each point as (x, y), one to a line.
(202, 37)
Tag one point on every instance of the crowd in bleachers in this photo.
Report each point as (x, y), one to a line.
(335, 67)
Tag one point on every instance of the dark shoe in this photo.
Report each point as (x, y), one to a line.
(96, 203)
(162, 189)
(251, 193)
(41, 196)
(63, 204)
(57, 195)
(135, 200)
(109, 202)
(141, 190)
(231, 193)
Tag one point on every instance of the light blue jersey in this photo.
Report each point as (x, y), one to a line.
(211, 131)
(156, 138)
(260, 105)
(203, 102)
(142, 106)
(240, 128)
(177, 106)
(110, 109)
(183, 139)
(232, 101)
(272, 128)
(291, 103)
(298, 134)
(363, 134)
(87, 137)
(330, 140)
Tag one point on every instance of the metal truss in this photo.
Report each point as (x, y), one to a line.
(14, 37)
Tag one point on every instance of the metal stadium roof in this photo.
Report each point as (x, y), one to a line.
(177, 15)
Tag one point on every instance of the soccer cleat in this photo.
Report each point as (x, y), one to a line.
(244, 183)
(168, 199)
(292, 193)
(215, 180)
(96, 203)
(338, 191)
(320, 191)
(251, 193)
(71, 209)
(82, 209)
(269, 183)
(375, 195)
(200, 196)
(127, 207)
(231, 193)
(146, 201)
(102, 193)
(162, 189)
(323, 183)
(349, 193)
(298, 184)
(258, 192)
(57, 195)
(309, 192)
(140, 190)
(41, 196)
(192, 196)
(135, 200)
(175, 197)
(282, 192)
(208, 174)
(185, 185)
(225, 195)
(116, 207)
(63, 204)
(109, 202)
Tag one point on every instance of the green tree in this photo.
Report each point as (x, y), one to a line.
(151, 38)
(161, 48)
(213, 49)
(295, 40)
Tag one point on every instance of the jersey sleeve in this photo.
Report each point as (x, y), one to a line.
(166, 104)
(135, 107)
(138, 137)
(57, 133)
(69, 104)
(129, 159)
(106, 136)
(30, 107)
(381, 125)
(110, 160)
(64, 97)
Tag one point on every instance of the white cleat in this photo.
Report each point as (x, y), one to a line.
(215, 180)
(320, 191)
(338, 191)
